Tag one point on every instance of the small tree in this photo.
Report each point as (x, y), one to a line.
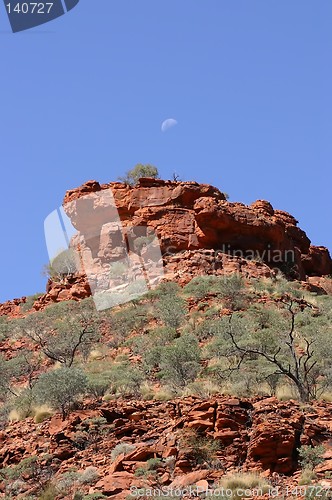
(139, 171)
(180, 361)
(294, 346)
(171, 310)
(63, 330)
(25, 364)
(61, 388)
(66, 263)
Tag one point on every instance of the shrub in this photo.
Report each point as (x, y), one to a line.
(306, 477)
(98, 383)
(168, 288)
(150, 346)
(153, 463)
(201, 286)
(63, 330)
(38, 469)
(232, 291)
(23, 403)
(41, 415)
(149, 468)
(64, 264)
(180, 361)
(202, 449)
(90, 432)
(125, 379)
(89, 476)
(49, 493)
(245, 481)
(6, 327)
(118, 270)
(171, 310)
(27, 305)
(128, 319)
(10, 369)
(310, 456)
(209, 328)
(61, 388)
(121, 448)
(131, 177)
(67, 481)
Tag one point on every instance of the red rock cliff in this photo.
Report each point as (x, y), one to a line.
(192, 216)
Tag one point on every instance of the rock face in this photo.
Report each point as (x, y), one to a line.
(260, 434)
(12, 307)
(187, 216)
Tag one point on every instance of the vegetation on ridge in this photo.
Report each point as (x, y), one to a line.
(217, 334)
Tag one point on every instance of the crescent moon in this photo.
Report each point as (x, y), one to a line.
(167, 124)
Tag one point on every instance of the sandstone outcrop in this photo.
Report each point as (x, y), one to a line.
(191, 216)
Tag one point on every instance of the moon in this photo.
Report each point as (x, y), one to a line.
(167, 124)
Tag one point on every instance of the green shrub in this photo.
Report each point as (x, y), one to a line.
(180, 361)
(125, 379)
(150, 346)
(128, 319)
(307, 476)
(66, 263)
(310, 456)
(202, 449)
(121, 448)
(98, 383)
(171, 310)
(232, 291)
(66, 481)
(29, 301)
(201, 286)
(61, 388)
(6, 327)
(168, 288)
(245, 481)
(153, 463)
(149, 468)
(209, 328)
(131, 177)
(63, 331)
(23, 402)
(89, 476)
(49, 493)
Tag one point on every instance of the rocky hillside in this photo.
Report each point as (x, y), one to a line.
(216, 382)
(118, 448)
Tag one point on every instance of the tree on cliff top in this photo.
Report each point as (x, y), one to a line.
(139, 171)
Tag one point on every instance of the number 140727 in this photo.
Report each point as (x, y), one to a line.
(30, 7)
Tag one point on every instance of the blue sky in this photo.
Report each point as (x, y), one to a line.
(84, 96)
